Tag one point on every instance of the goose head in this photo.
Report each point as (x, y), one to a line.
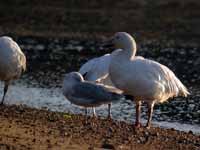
(125, 42)
(122, 40)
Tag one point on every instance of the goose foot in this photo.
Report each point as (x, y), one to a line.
(148, 127)
(138, 125)
(109, 117)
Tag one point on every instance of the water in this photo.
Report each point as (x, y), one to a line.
(53, 100)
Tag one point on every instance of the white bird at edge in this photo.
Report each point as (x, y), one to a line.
(12, 62)
(88, 94)
(146, 80)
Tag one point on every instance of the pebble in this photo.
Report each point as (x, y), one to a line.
(191, 106)
(39, 47)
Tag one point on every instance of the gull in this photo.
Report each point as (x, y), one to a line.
(146, 80)
(12, 62)
(96, 71)
(88, 94)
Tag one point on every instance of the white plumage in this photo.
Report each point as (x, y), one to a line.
(87, 94)
(145, 79)
(96, 70)
(12, 62)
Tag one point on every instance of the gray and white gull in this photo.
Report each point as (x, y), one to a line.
(87, 94)
(96, 71)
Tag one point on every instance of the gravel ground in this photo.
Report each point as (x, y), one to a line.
(25, 128)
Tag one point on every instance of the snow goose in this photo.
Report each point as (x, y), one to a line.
(12, 62)
(146, 80)
(88, 94)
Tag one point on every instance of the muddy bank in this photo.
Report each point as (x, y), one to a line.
(26, 128)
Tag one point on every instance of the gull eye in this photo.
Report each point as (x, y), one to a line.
(117, 37)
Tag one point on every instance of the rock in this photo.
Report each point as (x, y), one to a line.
(39, 47)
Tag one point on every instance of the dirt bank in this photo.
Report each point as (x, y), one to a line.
(26, 128)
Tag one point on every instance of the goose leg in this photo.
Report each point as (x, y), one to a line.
(86, 112)
(138, 111)
(86, 118)
(109, 111)
(94, 118)
(5, 91)
(94, 112)
(150, 112)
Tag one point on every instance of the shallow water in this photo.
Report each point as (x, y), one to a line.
(52, 99)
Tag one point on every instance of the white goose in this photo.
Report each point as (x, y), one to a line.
(12, 62)
(144, 79)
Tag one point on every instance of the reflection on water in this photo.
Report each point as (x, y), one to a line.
(52, 99)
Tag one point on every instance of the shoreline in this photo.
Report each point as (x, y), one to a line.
(23, 127)
(53, 100)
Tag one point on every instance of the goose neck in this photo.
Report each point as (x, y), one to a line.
(130, 52)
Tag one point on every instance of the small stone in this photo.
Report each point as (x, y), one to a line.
(190, 132)
(40, 47)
